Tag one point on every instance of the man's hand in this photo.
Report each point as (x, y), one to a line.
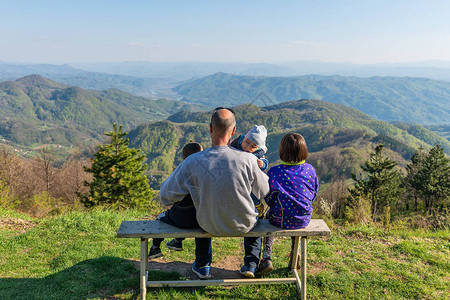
(260, 163)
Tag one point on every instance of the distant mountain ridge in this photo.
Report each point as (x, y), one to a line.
(84, 79)
(437, 70)
(416, 100)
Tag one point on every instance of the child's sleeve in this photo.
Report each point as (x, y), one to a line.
(266, 164)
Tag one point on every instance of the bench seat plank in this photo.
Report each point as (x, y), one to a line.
(158, 229)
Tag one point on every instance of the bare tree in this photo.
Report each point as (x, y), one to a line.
(43, 168)
(69, 181)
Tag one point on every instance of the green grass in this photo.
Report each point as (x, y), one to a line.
(77, 256)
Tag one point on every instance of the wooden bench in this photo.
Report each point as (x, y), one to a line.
(157, 229)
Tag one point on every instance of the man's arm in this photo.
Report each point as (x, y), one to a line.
(173, 189)
(260, 185)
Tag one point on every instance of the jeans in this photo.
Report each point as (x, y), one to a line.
(203, 252)
(182, 215)
(203, 249)
(252, 248)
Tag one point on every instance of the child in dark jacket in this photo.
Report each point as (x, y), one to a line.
(293, 188)
(254, 142)
(182, 214)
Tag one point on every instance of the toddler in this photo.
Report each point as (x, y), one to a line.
(181, 214)
(293, 188)
(254, 142)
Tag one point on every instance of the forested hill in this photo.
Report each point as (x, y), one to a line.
(415, 100)
(34, 109)
(339, 138)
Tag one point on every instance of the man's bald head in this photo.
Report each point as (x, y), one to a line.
(223, 121)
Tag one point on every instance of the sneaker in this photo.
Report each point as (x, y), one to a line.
(175, 244)
(265, 266)
(247, 271)
(202, 272)
(290, 262)
(155, 252)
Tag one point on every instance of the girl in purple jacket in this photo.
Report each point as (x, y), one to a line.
(293, 188)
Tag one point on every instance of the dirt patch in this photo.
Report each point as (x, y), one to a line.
(316, 268)
(19, 225)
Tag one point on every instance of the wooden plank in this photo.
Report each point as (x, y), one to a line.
(222, 282)
(158, 229)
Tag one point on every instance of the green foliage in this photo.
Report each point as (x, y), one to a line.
(118, 175)
(428, 176)
(381, 183)
(358, 209)
(442, 130)
(386, 218)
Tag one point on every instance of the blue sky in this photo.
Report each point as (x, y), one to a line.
(224, 31)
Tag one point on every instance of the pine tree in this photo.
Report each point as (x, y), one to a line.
(381, 182)
(412, 181)
(434, 178)
(118, 175)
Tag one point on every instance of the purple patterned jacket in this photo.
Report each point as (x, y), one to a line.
(293, 188)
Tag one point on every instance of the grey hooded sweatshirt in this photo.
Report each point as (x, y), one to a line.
(219, 180)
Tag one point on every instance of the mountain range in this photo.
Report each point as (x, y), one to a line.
(437, 70)
(402, 99)
(90, 80)
(37, 110)
(339, 137)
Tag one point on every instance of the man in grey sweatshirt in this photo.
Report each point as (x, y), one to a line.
(220, 180)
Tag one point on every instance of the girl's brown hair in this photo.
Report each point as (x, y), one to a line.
(293, 148)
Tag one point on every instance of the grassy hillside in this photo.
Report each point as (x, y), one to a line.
(442, 130)
(339, 138)
(77, 256)
(417, 100)
(36, 110)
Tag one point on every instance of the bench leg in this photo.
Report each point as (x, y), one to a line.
(303, 266)
(300, 283)
(144, 267)
(294, 258)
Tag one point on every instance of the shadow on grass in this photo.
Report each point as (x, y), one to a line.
(185, 269)
(101, 277)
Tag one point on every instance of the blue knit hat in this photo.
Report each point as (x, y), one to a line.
(257, 135)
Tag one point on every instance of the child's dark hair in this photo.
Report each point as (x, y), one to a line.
(293, 148)
(191, 148)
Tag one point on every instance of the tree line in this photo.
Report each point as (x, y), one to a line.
(382, 189)
(115, 177)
